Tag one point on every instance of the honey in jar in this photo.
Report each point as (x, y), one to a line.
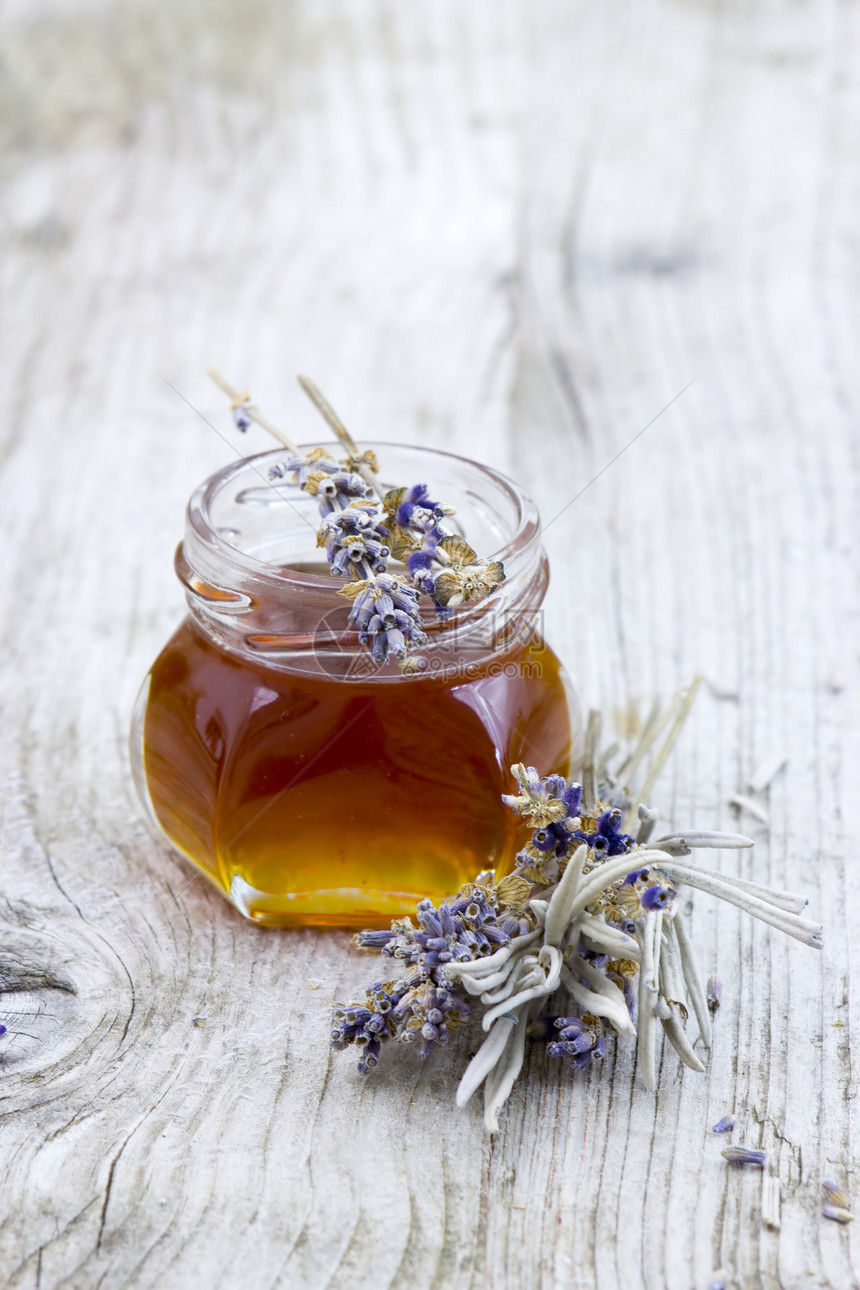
(311, 787)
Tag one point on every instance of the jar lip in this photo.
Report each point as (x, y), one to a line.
(527, 522)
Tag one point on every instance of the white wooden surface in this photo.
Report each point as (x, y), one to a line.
(517, 229)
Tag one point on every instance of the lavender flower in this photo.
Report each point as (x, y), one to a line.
(836, 1206)
(556, 807)
(241, 420)
(420, 559)
(316, 462)
(607, 836)
(656, 897)
(582, 1039)
(745, 1156)
(335, 491)
(834, 1194)
(412, 507)
(463, 575)
(838, 1213)
(542, 801)
(354, 539)
(385, 612)
(369, 1025)
(462, 929)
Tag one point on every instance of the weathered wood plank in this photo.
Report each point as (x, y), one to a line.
(519, 231)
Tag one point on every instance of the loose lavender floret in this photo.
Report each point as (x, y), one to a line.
(838, 1213)
(725, 1125)
(834, 1194)
(837, 1206)
(745, 1156)
(714, 993)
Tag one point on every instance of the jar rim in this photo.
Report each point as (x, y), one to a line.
(527, 526)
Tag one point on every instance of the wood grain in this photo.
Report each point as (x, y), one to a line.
(519, 231)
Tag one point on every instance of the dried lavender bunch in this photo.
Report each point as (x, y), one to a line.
(363, 527)
(591, 915)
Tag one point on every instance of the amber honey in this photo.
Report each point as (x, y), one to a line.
(313, 800)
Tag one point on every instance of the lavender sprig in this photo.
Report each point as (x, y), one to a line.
(591, 913)
(360, 533)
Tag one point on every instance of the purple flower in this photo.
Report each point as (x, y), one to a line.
(655, 898)
(607, 839)
(376, 940)
(543, 801)
(354, 540)
(745, 1156)
(725, 1125)
(629, 993)
(838, 1213)
(301, 467)
(420, 561)
(386, 615)
(370, 1024)
(416, 510)
(834, 1194)
(581, 1040)
(339, 489)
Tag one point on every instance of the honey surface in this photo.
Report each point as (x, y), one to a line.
(321, 802)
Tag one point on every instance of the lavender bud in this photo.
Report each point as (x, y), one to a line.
(745, 1156)
(838, 1213)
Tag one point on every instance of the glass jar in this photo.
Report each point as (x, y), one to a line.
(311, 786)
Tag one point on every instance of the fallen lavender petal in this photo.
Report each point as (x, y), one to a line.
(725, 1125)
(834, 1194)
(838, 1213)
(745, 1156)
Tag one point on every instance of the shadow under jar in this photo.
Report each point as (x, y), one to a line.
(310, 786)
